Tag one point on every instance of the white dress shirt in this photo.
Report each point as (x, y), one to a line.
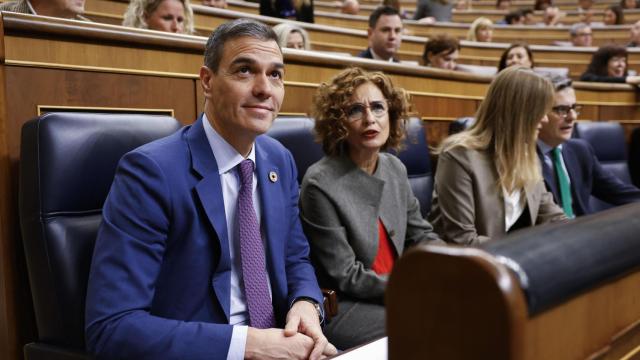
(514, 204)
(228, 159)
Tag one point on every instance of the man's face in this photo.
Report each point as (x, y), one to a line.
(583, 37)
(71, 6)
(245, 94)
(386, 37)
(635, 32)
(558, 129)
(221, 4)
(442, 60)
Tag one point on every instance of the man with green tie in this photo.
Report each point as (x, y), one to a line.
(570, 168)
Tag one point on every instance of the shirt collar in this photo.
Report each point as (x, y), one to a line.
(375, 56)
(226, 156)
(545, 148)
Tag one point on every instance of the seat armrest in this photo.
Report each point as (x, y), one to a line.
(330, 300)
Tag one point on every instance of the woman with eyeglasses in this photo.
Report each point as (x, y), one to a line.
(609, 64)
(488, 181)
(356, 204)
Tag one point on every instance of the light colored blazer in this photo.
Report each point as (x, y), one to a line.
(340, 205)
(468, 205)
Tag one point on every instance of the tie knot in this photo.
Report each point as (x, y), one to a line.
(246, 172)
(556, 152)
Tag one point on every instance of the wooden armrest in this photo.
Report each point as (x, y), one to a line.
(330, 300)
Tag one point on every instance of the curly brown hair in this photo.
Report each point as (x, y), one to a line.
(332, 98)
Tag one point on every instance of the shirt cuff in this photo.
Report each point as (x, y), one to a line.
(238, 343)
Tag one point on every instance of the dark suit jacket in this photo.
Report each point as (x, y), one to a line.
(159, 286)
(366, 54)
(588, 178)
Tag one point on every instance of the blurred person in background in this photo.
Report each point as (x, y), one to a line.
(292, 36)
(174, 16)
(481, 30)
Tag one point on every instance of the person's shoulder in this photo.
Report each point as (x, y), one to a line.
(165, 150)
(392, 163)
(366, 54)
(577, 144)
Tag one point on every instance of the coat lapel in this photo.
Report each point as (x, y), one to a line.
(273, 206)
(209, 191)
(547, 174)
(572, 164)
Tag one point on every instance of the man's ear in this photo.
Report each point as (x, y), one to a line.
(369, 32)
(206, 78)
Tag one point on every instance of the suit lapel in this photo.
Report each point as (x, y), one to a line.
(273, 205)
(572, 164)
(549, 179)
(209, 191)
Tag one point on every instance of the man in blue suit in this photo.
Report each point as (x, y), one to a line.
(569, 166)
(200, 254)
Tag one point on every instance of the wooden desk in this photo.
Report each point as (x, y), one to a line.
(467, 303)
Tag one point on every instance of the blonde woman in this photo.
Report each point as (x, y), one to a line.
(488, 181)
(481, 30)
(292, 36)
(163, 15)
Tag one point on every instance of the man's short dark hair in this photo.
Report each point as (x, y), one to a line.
(233, 30)
(379, 11)
(559, 82)
(438, 44)
(513, 16)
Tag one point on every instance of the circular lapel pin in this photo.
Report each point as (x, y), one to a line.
(273, 176)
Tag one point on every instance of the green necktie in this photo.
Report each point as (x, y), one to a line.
(563, 183)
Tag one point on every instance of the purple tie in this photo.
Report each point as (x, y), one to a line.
(254, 271)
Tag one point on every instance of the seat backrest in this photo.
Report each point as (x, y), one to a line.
(634, 157)
(608, 142)
(460, 124)
(68, 162)
(417, 159)
(296, 134)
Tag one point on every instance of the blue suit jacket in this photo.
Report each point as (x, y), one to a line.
(588, 178)
(159, 286)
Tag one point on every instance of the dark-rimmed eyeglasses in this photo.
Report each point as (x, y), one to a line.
(357, 111)
(563, 110)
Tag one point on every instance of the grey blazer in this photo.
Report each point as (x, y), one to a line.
(468, 205)
(340, 205)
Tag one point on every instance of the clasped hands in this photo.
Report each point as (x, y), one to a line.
(302, 337)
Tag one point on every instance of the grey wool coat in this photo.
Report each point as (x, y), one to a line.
(340, 205)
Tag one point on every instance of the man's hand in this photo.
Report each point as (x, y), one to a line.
(303, 319)
(272, 344)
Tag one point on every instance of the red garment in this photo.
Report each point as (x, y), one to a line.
(386, 257)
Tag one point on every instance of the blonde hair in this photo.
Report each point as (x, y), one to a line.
(506, 124)
(138, 10)
(283, 30)
(478, 24)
